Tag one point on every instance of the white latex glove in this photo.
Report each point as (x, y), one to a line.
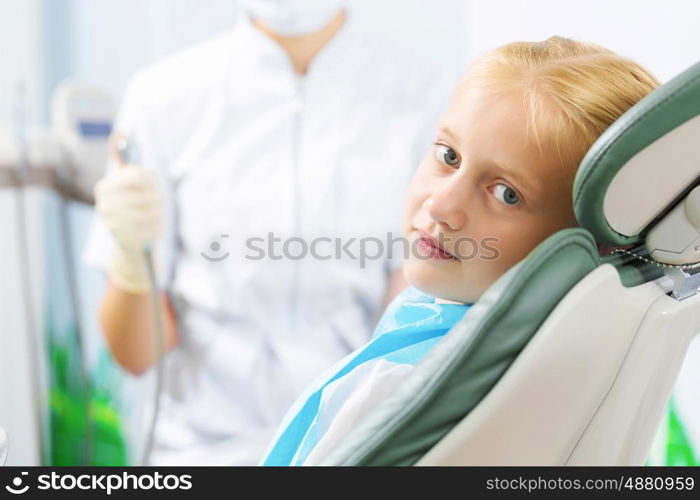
(131, 205)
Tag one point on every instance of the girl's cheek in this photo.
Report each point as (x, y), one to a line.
(412, 207)
(415, 189)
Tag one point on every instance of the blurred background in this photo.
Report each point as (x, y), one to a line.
(52, 358)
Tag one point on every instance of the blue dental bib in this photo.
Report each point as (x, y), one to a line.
(411, 325)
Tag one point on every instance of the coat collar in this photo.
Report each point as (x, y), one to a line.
(262, 59)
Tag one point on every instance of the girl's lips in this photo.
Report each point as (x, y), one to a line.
(430, 246)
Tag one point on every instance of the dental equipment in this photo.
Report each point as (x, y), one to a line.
(53, 165)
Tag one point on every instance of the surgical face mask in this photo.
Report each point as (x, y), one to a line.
(292, 17)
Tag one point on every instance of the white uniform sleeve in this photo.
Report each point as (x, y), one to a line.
(132, 122)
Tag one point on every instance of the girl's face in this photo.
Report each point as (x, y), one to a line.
(484, 195)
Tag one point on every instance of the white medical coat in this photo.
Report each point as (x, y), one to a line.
(245, 148)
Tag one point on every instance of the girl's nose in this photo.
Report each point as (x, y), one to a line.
(447, 205)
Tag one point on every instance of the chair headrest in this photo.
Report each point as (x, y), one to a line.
(643, 164)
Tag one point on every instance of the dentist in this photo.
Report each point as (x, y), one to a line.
(293, 125)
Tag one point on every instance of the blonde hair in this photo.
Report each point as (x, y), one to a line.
(577, 88)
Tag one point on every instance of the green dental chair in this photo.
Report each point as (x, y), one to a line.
(570, 357)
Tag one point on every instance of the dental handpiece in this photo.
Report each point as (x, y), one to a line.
(126, 150)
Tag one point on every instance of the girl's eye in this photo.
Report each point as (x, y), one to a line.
(447, 155)
(506, 195)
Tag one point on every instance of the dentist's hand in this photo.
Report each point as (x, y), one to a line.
(131, 205)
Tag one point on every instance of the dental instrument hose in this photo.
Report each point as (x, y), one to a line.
(127, 154)
(71, 275)
(160, 347)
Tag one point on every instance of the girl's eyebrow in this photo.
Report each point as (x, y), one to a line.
(448, 132)
(517, 175)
